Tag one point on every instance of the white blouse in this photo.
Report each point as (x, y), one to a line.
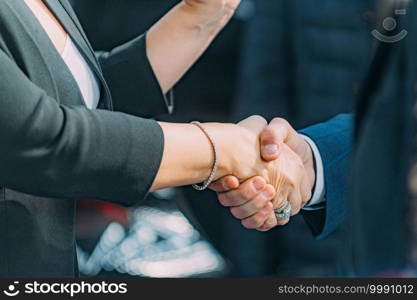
(82, 73)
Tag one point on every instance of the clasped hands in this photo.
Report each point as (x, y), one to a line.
(285, 173)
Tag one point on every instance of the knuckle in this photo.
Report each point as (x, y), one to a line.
(252, 223)
(279, 201)
(223, 184)
(295, 209)
(283, 222)
(224, 200)
(247, 224)
(308, 196)
(257, 204)
(248, 191)
(238, 213)
(270, 189)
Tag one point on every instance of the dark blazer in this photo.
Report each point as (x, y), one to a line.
(302, 61)
(385, 140)
(334, 139)
(54, 150)
(383, 152)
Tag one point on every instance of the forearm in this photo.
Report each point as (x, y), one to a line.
(178, 40)
(188, 156)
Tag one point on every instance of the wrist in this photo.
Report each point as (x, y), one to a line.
(225, 163)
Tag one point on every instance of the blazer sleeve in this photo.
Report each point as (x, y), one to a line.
(133, 85)
(334, 140)
(51, 150)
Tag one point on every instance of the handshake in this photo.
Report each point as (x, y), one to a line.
(272, 172)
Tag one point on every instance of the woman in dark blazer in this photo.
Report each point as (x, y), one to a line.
(55, 150)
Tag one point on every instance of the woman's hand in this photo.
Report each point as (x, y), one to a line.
(239, 148)
(213, 12)
(176, 41)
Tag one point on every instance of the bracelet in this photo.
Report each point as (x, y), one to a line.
(206, 183)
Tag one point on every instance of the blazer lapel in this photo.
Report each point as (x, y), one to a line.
(61, 14)
(68, 8)
(64, 14)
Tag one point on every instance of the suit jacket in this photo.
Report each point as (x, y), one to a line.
(294, 49)
(385, 127)
(383, 155)
(334, 139)
(55, 151)
(281, 76)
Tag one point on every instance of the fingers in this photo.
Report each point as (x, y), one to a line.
(225, 184)
(260, 218)
(245, 193)
(283, 196)
(272, 137)
(257, 204)
(270, 223)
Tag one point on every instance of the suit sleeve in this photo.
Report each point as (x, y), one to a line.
(51, 150)
(334, 140)
(133, 85)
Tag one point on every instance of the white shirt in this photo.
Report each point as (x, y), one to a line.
(318, 200)
(82, 73)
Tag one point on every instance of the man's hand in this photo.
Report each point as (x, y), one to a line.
(275, 140)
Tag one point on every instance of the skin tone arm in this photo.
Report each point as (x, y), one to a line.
(181, 36)
(189, 157)
(174, 44)
(286, 168)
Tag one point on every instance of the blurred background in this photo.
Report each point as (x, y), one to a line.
(277, 58)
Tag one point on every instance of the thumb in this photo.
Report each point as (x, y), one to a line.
(276, 134)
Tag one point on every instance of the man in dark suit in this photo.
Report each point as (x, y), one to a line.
(280, 76)
(385, 125)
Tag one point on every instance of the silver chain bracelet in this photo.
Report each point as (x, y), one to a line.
(206, 183)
